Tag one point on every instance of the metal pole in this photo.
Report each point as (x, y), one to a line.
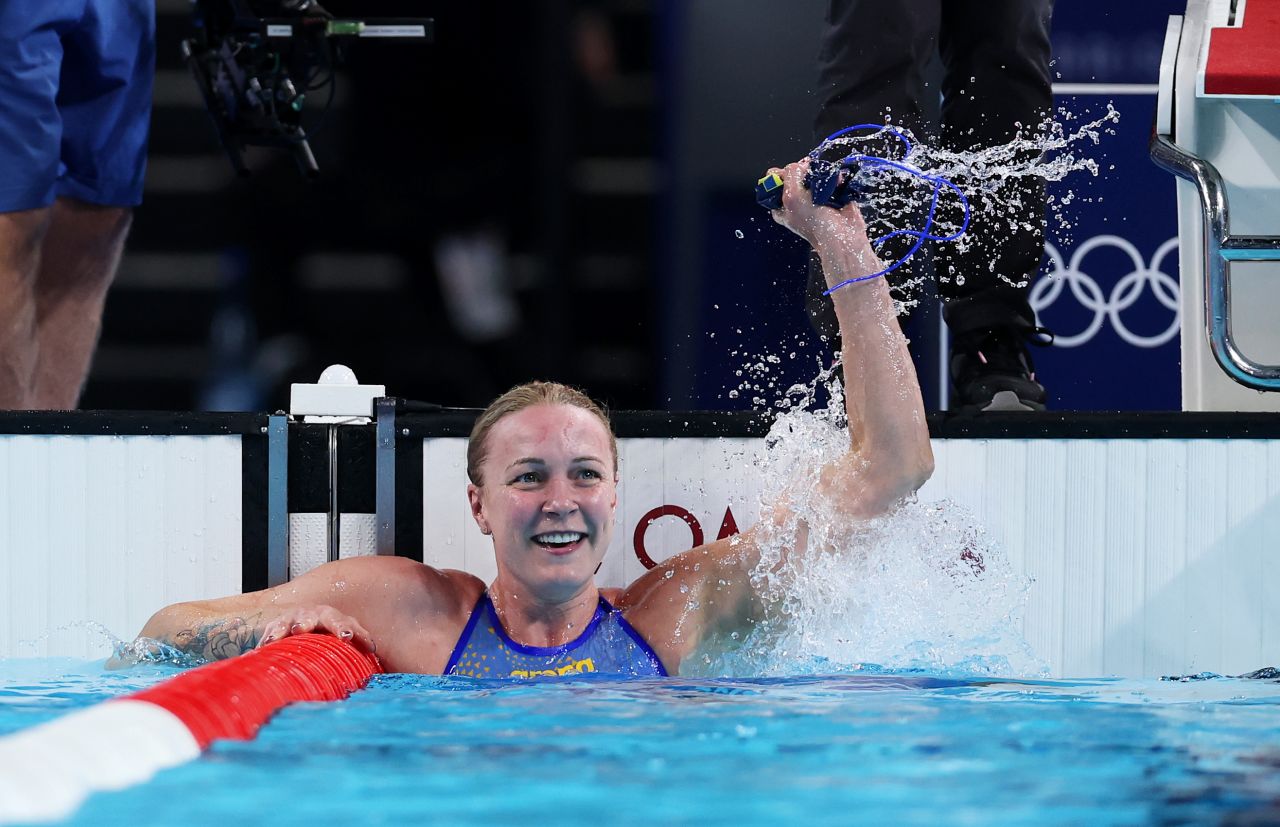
(277, 500)
(385, 476)
(335, 520)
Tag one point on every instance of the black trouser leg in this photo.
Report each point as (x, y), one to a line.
(872, 65)
(996, 83)
(872, 62)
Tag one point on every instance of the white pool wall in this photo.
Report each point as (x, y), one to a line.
(107, 529)
(1149, 557)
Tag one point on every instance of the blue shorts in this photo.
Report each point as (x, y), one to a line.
(75, 100)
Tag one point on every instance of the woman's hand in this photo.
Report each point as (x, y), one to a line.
(324, 619)
(829, 231)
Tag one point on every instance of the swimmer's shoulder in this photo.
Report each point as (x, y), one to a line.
(669, 583)
(419, 610)
(673, 604)
(407, 581)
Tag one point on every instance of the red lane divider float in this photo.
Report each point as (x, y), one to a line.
(48, 770)
(233, 698)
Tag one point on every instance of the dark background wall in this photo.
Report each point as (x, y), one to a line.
(607, 149)
(531, 124)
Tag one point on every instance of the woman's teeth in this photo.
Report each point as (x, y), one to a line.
(558, 538)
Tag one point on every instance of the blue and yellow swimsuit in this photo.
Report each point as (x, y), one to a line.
(609, 645)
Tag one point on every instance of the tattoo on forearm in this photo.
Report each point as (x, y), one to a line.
(219, 639)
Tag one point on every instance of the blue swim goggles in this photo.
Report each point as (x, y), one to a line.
(835, 184)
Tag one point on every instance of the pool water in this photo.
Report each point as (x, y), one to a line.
(873, 749)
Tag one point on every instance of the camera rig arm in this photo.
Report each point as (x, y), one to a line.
(256, 61)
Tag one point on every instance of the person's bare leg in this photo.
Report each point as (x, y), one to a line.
(81, 253)
(21, 237)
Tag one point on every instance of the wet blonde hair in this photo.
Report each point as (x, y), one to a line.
(527, 396)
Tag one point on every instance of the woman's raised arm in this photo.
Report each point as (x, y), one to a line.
(890, 455)
(708, 591)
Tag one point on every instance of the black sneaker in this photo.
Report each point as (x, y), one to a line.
(991, 370)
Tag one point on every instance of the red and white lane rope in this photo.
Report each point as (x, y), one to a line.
(48, 770)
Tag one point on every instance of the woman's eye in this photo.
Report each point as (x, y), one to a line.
(590, 474)
(528, 477)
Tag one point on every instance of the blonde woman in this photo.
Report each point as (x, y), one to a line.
(543, 466)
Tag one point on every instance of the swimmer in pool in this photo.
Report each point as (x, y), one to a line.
(543, 466)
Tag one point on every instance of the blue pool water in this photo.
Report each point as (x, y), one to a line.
(873, 749)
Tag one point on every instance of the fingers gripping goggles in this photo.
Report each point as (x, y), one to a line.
(837, 184)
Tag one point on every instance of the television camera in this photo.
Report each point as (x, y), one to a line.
(257, 61)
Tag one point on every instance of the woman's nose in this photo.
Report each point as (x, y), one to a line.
(560, 499)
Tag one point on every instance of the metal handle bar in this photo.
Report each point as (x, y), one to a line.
(1221, 249)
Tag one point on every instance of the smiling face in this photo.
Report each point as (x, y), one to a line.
(548, 497)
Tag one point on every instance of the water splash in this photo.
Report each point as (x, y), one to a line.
(920, 588)
(93, 635)
(994, 180)
(923, 587)
(145, 650)
(761, 376)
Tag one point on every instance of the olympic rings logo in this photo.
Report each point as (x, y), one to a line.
(1126, 292)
